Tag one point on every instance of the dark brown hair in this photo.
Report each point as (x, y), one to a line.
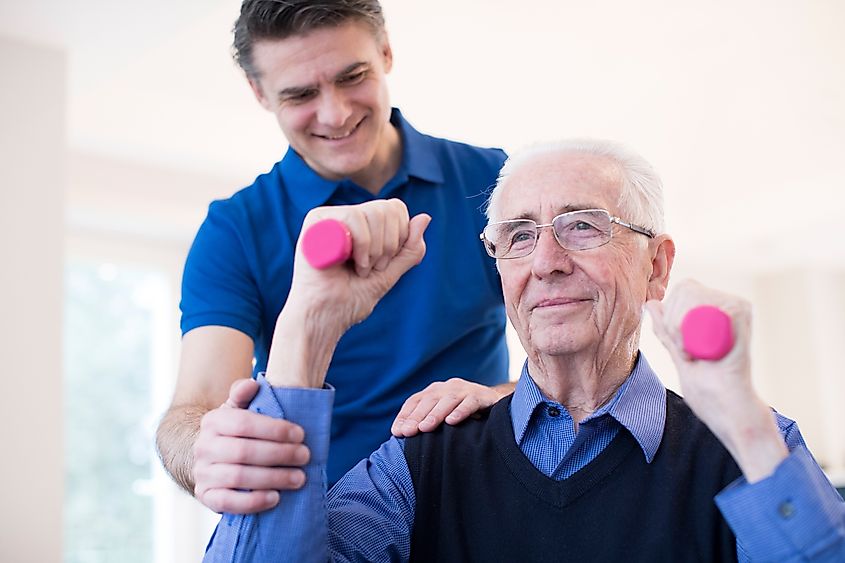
(280, 19)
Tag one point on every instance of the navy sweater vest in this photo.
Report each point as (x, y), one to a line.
(478, 498)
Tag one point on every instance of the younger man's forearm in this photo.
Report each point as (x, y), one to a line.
(175, 439)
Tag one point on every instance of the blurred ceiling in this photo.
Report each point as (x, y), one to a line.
(740, 105)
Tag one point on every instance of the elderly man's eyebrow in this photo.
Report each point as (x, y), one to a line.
(565, 209)
(578, 207)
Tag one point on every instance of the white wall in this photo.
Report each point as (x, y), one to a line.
(32, 180)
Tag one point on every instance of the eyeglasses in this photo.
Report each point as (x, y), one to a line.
(576, 230)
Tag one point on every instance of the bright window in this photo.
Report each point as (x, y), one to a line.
(110, 357)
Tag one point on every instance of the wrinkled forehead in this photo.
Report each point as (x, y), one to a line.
(548, 184)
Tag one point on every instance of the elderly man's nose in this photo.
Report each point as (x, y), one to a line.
(549, 256)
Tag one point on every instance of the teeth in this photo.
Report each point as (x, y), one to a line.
(338, 137)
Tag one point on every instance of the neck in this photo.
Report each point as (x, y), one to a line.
(385, 162)
(582, 382)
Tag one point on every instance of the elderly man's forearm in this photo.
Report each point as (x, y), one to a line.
(302, 349)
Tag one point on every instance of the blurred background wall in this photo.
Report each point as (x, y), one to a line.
(122, 120)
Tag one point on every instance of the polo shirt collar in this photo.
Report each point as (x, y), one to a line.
(639, 405)
(308, 189)
(419, 156)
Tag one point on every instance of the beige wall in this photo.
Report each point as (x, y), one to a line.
(799, 318)
(32, 148)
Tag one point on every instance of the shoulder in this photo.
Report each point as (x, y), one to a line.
(678, 409)
(676, 402)
(464, 434)
(470, 171)
(491, 158)
(236, 225)
(682, 423)
(464, 155)
(249, 204)
(453, 448)
(687, 440)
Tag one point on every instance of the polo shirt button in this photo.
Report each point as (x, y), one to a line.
(554, 412)
(786, 509)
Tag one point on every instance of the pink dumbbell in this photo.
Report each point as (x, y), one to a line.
(707, 332)
(326, 243)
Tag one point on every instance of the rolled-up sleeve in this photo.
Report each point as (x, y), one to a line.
(296, 529)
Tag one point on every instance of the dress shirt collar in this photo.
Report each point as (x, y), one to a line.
(639, 405)
(308, 189)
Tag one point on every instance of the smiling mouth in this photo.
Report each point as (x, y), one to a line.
(561, 302)
(343, 136)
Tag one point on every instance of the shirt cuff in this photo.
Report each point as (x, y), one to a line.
(309, 408)
(793, 511)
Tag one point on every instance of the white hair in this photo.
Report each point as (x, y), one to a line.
(641, 199)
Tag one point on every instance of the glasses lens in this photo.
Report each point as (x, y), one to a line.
(510, 239)
(581, 230)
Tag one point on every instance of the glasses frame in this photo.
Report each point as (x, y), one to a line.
(613, 219)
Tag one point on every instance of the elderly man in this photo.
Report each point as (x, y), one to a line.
(591, 458)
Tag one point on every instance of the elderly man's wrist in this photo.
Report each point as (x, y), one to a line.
(755, 442)
(303, 344)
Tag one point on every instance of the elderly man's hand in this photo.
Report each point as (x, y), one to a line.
(323, 304)
(386, 243)
(451, 401)
(243, 459)
(720, 392)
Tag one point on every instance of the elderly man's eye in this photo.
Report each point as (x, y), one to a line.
(583, 226)
(522, 236)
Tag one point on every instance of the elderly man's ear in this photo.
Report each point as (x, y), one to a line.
(663, 255)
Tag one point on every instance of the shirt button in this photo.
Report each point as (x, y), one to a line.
(786, 509)
(554, 412)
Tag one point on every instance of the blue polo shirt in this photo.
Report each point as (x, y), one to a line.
(443, 319)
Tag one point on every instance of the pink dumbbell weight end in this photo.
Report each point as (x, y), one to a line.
(707, 332)
(326, 243)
